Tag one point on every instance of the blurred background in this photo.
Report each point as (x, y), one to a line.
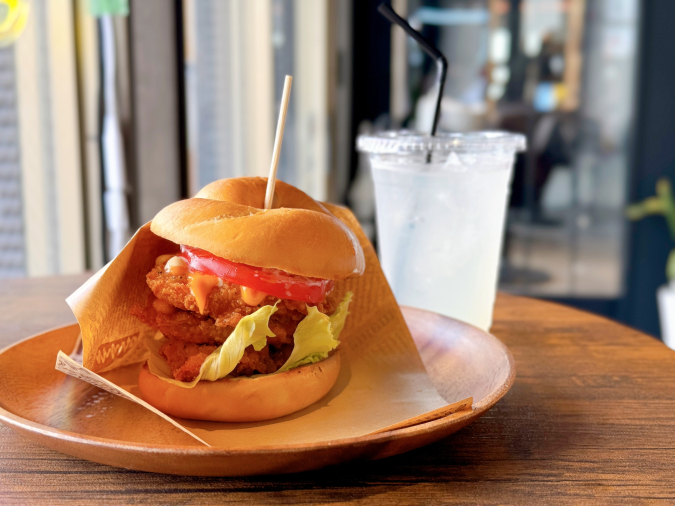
(112, 109)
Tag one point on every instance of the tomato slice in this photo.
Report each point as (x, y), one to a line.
(271, 281)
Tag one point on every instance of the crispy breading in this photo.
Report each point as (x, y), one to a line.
(199, 329)
(224, 303)
(172, 310)
(184, 325)
(185, 359)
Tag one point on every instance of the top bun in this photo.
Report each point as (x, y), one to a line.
(298, 235)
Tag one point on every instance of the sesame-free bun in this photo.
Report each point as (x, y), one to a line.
(243, 399)
(298, 235)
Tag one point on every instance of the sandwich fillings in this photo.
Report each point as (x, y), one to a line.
(198, 312)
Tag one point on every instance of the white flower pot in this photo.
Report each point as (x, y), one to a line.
(665, 296)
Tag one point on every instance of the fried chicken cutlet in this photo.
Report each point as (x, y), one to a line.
(193, 335)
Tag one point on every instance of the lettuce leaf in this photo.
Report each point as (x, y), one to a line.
(251, 330)
(317, 334)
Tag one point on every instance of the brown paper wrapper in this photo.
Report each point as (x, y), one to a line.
(382, 383)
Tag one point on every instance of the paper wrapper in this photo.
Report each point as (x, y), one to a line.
(382, 383)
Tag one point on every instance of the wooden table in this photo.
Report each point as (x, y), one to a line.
(591, 418)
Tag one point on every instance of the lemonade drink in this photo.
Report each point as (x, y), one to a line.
(441, 206)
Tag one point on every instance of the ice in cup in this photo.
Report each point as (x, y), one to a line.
(441, 205)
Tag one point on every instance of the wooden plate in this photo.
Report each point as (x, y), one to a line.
(462, 361)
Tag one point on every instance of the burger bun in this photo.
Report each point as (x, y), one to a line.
(243, 399)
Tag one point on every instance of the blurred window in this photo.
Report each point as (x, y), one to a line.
(562, 72)
(12, 260)
(92, 130)
(41, 91)
(237, 55)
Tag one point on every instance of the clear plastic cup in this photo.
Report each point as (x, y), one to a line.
(441, 205)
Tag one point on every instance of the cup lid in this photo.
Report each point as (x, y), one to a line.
(406, 142)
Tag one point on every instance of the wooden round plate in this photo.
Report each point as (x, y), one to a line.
(461, 360)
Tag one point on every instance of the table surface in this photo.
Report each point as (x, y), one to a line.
(590, 418)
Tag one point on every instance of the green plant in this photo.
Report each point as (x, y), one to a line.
(662, 203)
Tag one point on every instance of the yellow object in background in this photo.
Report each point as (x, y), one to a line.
(13, 17)
(560, 91)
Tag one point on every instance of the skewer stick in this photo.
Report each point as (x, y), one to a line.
(271, 181)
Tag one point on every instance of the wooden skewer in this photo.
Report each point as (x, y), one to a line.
(271, 181)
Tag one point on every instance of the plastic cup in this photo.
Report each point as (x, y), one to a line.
(441, 204)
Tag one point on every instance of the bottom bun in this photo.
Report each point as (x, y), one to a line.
(243, 399)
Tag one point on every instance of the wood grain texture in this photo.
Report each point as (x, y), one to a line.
(75, 418)
(591, 418)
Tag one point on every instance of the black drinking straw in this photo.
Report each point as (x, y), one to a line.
(441, 63)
